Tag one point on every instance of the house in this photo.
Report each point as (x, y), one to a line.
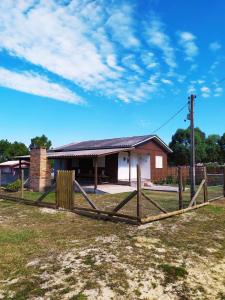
(113, 160)
(10, 170)
(13, 166)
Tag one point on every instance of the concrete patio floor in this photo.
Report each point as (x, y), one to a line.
(119, 188)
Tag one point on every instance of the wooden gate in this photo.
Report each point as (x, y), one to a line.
(64, 189)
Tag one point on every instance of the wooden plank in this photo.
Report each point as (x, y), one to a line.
(197, 193)
(216, 198)
(205, 185)
(26, 181)
(64, 189)
(105, 212)
(139, 194)
(73, 192)
(96, 172)
(171, 214)
(129, 157)
(183, 182)
(125, 201)
(154, 203)
(85, 195)
(22, 183)
(106, 218)
(26, 201)
(46, 193)
(180, 186)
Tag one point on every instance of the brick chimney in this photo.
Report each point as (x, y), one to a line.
(40, 171)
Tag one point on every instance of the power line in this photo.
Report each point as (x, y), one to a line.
(180, 110)
(171, 118)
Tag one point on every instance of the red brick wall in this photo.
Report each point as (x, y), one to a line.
(154, 149)
(40, 171)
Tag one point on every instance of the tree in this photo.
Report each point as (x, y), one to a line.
(40, 141)
(180, 145)
(17, 149)
(222, 148)
(213, 149)
(4, 145)
(9, 150)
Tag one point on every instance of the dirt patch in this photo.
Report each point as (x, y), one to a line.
(45, 210)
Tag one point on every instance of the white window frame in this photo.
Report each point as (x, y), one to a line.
(159, 162)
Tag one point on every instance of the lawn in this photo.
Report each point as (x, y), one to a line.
(48, 254)
(168, 201)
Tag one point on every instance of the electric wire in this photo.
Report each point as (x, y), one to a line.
(171, 118)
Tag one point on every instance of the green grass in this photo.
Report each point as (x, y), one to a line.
(169, 201)
(12, 237)
(173, 273)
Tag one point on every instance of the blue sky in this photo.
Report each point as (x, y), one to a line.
(81, 69)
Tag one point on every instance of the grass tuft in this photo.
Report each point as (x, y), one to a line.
(173, 273)
(12, 237)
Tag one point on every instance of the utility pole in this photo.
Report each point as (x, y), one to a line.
(192, 149)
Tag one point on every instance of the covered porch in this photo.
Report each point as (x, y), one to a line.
(92, 167)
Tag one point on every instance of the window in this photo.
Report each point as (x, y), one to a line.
(159, 162)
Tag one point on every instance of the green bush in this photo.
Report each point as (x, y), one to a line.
(14, 186)
(171, 180)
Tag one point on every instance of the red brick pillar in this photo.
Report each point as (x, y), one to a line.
(40, 171)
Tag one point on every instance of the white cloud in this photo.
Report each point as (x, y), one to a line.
(166, 81)
(157, 37)
(191, 89)
(37, 85)
(94, 44)
(129, 62)
(53, 37)
(201, 81)
(111, 61)
(218, 91)
(153, 80)
(214, 46)
(205, 91)
(187, 41)
(149, 60)
(121, 24)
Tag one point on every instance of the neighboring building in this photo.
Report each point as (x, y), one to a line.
(13, 166)
(114, 160)
(10, 170)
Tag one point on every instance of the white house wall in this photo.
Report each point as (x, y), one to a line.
(123, 166)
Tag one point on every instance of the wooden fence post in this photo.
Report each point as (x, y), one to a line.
(73, 191)
(180, 186)
(139, 193)
(224, 181)
(95, 174)
(0, 180)
(22, 183)
(205, 185)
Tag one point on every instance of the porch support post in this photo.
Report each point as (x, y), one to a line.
(129, 157)
(96, 172)
(20, 169)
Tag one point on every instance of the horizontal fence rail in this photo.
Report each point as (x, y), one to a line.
(137, 207)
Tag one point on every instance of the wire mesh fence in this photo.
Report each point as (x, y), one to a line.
(151, 203)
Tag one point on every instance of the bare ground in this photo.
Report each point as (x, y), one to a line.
(47, 254)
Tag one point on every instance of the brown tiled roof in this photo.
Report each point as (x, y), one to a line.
(125, 142)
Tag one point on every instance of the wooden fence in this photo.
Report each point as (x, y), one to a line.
(64, 189)
(64, 198)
